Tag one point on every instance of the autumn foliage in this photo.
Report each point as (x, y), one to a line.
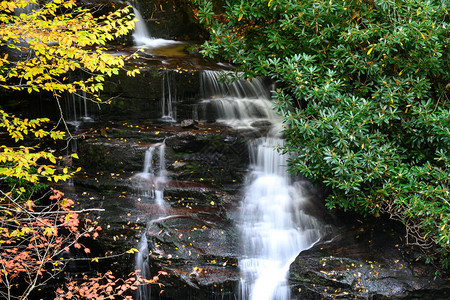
(41, 43)
(58, 37)
(35, 238)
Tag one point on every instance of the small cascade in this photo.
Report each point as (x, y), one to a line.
(141, 35)
(169, 97)
(76, 109)
(221, 84)
(151, 181)
(241, 104)
(142, 265)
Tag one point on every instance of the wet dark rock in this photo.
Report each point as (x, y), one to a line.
(140, 97)
(262, 126)
(215, 158)
(171, 19)
(191, 197)
(365, 260)
(110, 156)
(199, 254)
(184, 142)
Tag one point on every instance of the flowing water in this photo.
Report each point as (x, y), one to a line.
(240, 104)
(76, 109)
(274, 228)
(142, 265)
(141, 35)
(151, 181)
(168, 97)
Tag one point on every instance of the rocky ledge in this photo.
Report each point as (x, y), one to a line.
(366, 259)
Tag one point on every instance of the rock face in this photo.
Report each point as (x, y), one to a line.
(199, 253)
(192, 236)
(365, 260)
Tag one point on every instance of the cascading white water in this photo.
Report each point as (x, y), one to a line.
(240, 104)
(274, 228)
(141, 35)
(142, 265)
(76, 109)
(168, 98)
(150, 183)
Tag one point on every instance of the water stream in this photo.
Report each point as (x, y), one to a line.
(76, 109)
(241, 104)
(141, 35)
(151, 181)
(142, 265)
(168, 97)
(274, 228)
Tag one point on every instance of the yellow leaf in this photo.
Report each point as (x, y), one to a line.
(370, 50)
(422, 36)
(240, 17)
(50, 231)
(270, 1)
(65, 170)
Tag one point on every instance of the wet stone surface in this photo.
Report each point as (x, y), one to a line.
(365, 260)
(191, 235)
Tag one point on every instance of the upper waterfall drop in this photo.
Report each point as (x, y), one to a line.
(241, 104)
(141, 35)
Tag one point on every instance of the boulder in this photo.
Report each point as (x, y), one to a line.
(365, 260)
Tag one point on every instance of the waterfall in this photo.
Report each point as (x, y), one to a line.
(141, 35)
(238, 103)
(274, 228)
(151, 181)
(76, 109)
(142, 265)
(168, 98)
